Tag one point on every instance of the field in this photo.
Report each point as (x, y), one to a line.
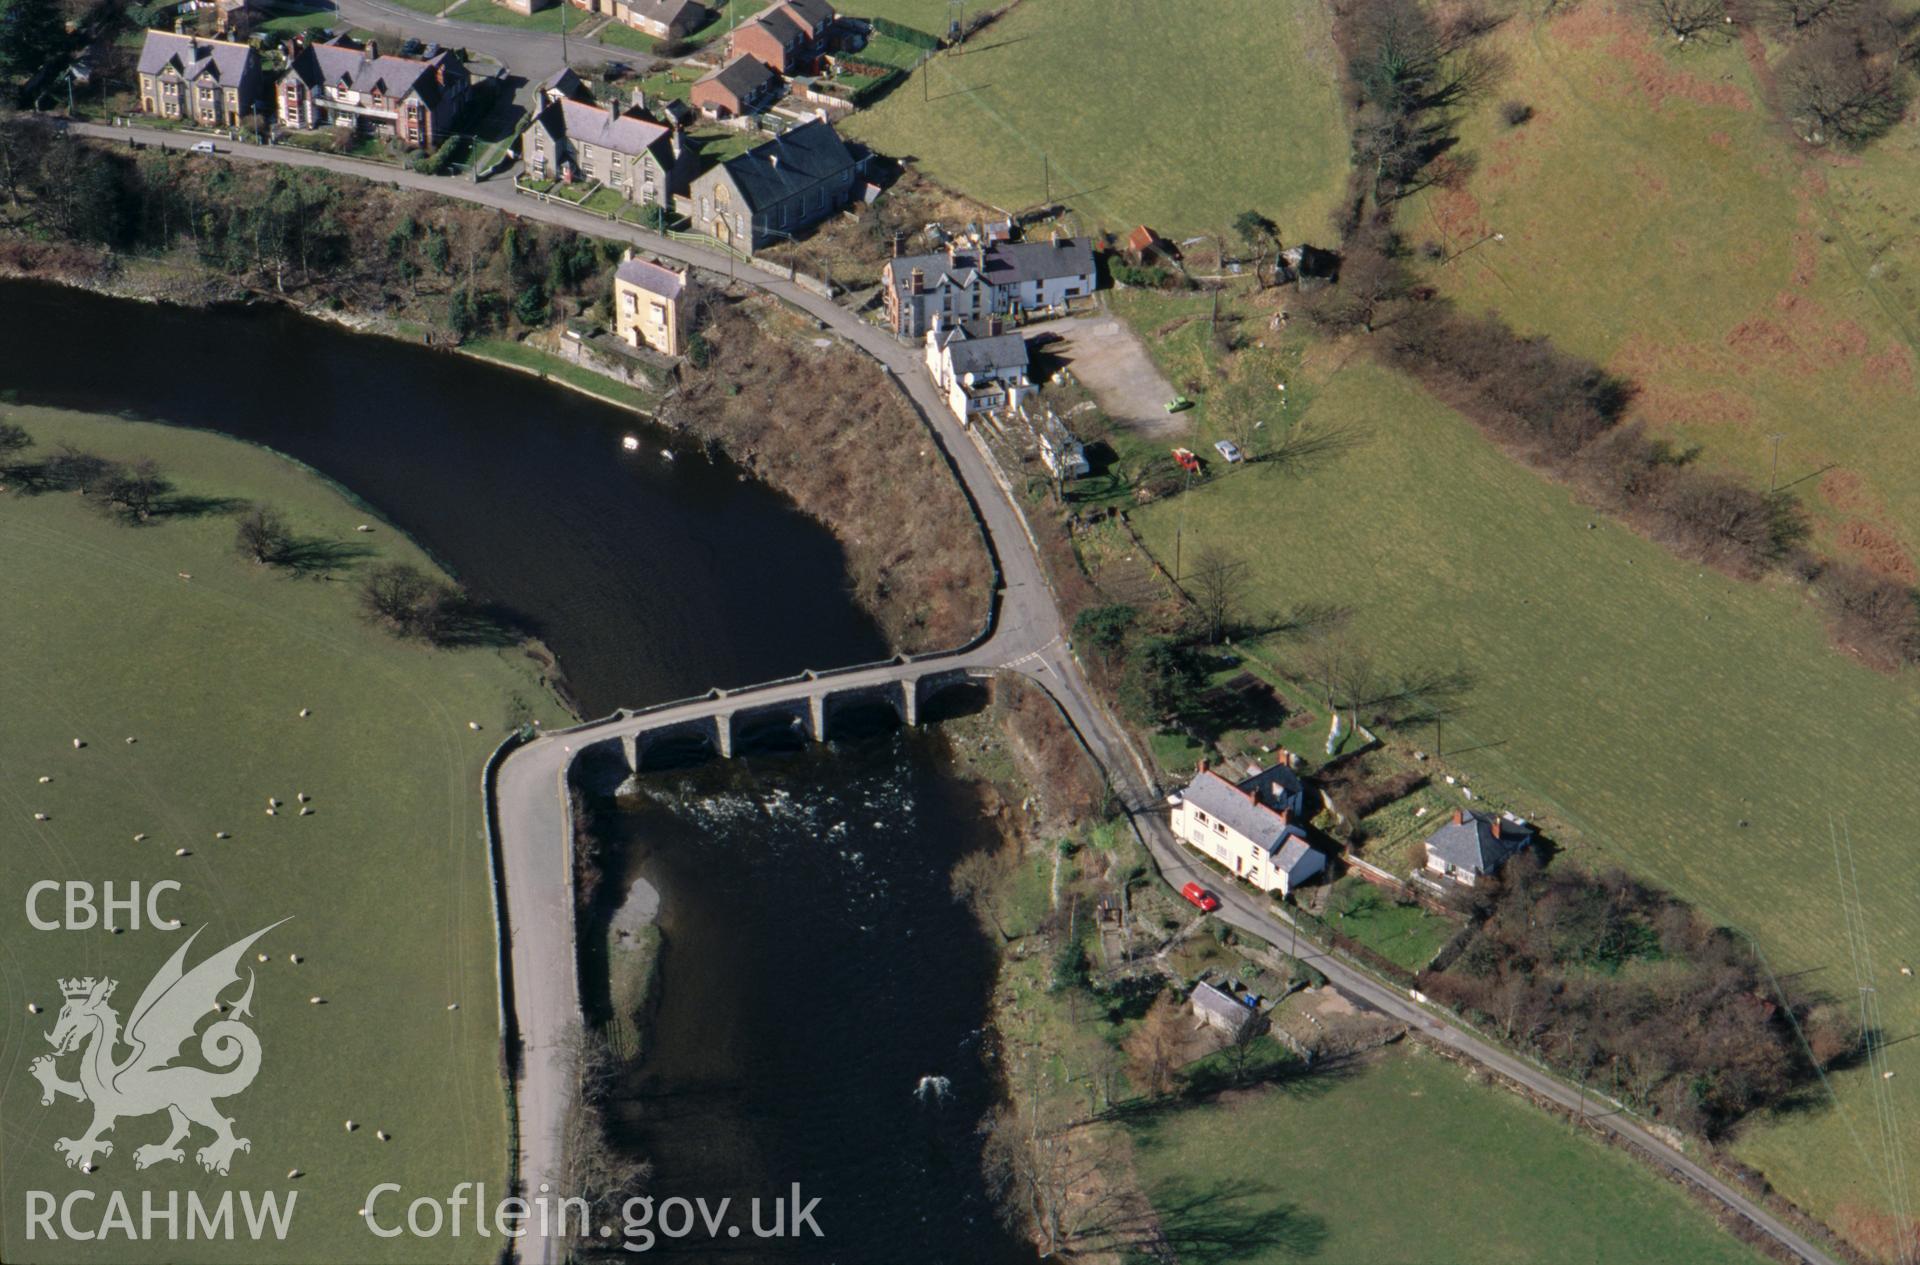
(386, 883)
(1235, 109)
(1656, 218)
(1694, 728)
(1409, 1163)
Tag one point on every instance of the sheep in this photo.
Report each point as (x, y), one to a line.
(364, 527)
(39, 816)
(1906, 970)
(33, 1008)
(131, 741)
(453, 1006)
(181, 852)
(306, 810)
(185, 575)
(302, 796)
(141, 837)
(78, 743)
(316, 1001)
(272, 813)
(260, 957)
(294, 958)
(221, 834)
(351, 1126)
(272, 802)
(383, 1135)
(44, 779)
(292, 1173)
(473, 725)
(305, 712)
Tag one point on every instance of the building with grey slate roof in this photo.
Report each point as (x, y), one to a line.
(215, 83)
(1472, 845)
(968, 281)
(647, 162)
(741, 87)
(1218, 1009)
(1251, 826)
(978, 366)
(340, 83)
(775, 189)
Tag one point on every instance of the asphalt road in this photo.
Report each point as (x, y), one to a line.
(1027, 637)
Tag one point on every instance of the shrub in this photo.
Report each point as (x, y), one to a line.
(1515, 113)
(1876, 617)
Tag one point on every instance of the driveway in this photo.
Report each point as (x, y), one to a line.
(1111, 360)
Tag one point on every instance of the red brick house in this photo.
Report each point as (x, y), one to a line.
(743, 86)
(787, 37)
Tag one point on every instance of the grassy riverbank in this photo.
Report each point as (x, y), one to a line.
(386, 883)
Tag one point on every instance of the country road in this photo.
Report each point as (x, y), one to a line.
(1027, 637)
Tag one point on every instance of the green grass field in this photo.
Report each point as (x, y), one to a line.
(1697, 729)
(1405, 935)
(1658, 219)
(1226, 106)
(386, 883)
(1409, 1163)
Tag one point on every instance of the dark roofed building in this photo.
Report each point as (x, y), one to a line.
(215, 83)
(1472, 845)
(1251, 826)
(344, 84)
(742, 86)
(776, 188)
(969, 282)
(646, 161)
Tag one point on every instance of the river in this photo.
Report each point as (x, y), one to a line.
(815, 966)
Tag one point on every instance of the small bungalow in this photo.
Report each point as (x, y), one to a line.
(1473, 845)
(1219, 1009)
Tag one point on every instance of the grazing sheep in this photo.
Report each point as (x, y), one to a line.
(364, 527)
(473, 724)
(272, 813)
(351, 1126)
(306, 811)
(294, 958)
(272, 802)
(316, 1001)
(260, 957)
(141, 837)
(302, 796)
(131, 741)
(181, 852)
(453, 1006)
(383, 1135)
(221, 834)
(77, 744)
(44, 779)
(184, 575)
(292, 1173)
(39, 816)
(305, 712)
(33, 1008)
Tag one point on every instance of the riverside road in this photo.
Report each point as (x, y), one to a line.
(1026, 636)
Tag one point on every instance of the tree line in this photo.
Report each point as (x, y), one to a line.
(1407, 75)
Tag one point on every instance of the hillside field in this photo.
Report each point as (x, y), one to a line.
(386, 883)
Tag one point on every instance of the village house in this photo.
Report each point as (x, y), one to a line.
(1474, 845)
(977, 366)
(788, 37)
(1219, 1009)
(662, 19)
(648, 304)
(1251, 826)
(344, 84)
(215, 83)
(966, 281)
(646, 162)
(774, 189)
(741, 87)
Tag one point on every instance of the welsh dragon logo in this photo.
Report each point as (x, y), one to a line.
(173, 1005)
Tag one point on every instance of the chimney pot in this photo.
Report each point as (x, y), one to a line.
(1496, 827)
(613, 111)
(1203, 764)
(1459, 818)
(917, 281)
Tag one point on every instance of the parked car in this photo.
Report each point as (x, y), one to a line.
(1199, 896)
(1178, 403)
(1228, 449)
(204, 147)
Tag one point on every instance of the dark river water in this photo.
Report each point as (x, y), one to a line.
(815, 967)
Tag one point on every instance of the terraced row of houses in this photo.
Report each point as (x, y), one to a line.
(339, 83)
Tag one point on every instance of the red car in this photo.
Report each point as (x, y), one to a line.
(1200, 896)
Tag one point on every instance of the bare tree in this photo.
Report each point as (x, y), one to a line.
(134, 489)
(1050, 1177)
(1795, 17)
(263, 535)
(1844, 85)
(1216, 583)
(1153, 1051)
(976, 882)
(592, 1166)
(1684, 19)
(394, 593)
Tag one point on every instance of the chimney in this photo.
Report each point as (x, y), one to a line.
(373, 49)
(953, 252)
(1061, 241)
(773, 160)
(1203, 764)
(640, 100)
(896, 245)
(1496, 827)
(1286, 758)
(1286, 816)
(613, 111)
(993, 326)
(917, 281)
(673, 139)
(1459, 818)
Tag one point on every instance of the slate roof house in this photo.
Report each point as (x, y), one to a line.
(344, 84)
(1002, 279)
(977, 366)
(774, 189)
(1219, 1009)
(662, 19)
(215, 83)
(647, 162)
(743, 86)
(648, 303)
(787, 37)
(1250, 826)
(1473, 845)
